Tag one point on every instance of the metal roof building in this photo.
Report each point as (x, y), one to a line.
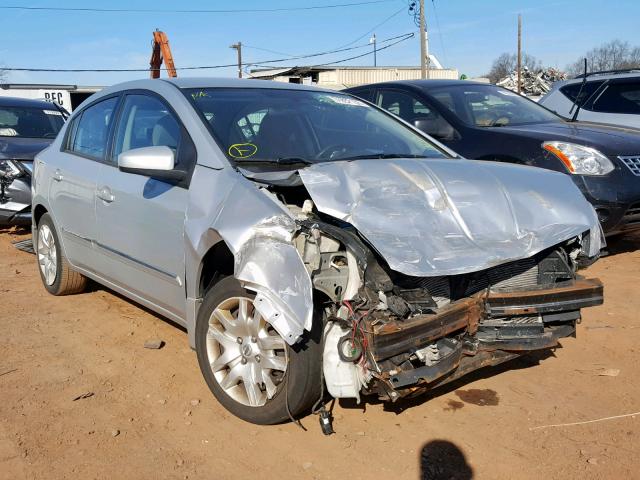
(67, 96)
(344, 77)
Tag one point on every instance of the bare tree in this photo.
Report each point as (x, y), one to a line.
(507, 62)
(609, 56)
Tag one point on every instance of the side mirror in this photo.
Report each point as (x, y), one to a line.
(156, 162)
(436, 128)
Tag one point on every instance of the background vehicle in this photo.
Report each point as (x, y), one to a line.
(486, 122)
(26, 128)
(305, 238)
(68, 97)
(606, 97)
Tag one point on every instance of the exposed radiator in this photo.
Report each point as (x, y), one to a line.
(516, 275)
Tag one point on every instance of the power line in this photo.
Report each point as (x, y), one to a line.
(401, 38)
(200, 11)
(435, 11)
(372, 29)
(206, 67)
(345, 45)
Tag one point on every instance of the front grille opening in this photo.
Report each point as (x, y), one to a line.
(545, 269)
(633, 163)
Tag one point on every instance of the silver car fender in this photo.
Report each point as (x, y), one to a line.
(259, 232)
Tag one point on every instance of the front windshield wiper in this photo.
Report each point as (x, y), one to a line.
(380, 156)
(275, 161)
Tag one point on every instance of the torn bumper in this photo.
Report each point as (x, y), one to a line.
(489, 329)
(15, 213)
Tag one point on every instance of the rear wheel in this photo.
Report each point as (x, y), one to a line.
(57, 275)
(247, 365)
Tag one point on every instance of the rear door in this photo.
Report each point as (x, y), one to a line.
(617, 103)
(73, 180)
(140, 220)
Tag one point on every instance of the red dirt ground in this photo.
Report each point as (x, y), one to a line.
(55, 349)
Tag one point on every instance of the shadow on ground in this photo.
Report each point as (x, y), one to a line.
(623, 244)
(443, 460)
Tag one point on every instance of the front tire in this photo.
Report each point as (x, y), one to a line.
(55, 271)
(246, 363)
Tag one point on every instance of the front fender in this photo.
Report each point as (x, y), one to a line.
(274, 270)
(258, 230)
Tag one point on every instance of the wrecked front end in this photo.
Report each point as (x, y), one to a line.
(425, 271)
(391, 334)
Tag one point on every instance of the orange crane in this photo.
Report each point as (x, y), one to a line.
(160, 51)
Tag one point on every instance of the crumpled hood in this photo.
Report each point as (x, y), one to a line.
(445, 217)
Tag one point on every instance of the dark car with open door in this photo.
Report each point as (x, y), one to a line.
(485, 122)
(26, 128)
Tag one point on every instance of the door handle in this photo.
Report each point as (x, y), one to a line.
(105, 195)
(57, 175)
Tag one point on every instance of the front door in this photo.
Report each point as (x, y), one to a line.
(140, 220)
(73, 181)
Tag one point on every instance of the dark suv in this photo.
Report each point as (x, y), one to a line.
(26, 128)
(485, 122)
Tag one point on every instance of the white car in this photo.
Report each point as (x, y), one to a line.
(606, 97)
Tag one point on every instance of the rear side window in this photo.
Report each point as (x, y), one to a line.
(366, 93)
(92, 131)
(146, 122)
(404, 105)
(619, 98)
(573, 93)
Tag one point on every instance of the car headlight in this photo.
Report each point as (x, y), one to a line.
(578, 159)
(11, 168)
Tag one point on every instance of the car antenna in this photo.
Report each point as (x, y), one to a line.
(575, 102)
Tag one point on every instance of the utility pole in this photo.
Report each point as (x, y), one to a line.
(423, 43)
(519, 50)
(373, 40)
(238, 48)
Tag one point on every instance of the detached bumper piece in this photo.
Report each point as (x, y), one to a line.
(14, 213)
(483, 330)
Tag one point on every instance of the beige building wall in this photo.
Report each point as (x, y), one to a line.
(344, 78)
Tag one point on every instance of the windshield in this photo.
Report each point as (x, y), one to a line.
(273, 125)
(490, 106)
(30, 122)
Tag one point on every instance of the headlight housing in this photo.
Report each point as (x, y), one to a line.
(11, 168)
(578, 159)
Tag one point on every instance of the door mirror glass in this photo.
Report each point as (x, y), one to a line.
(149, 161)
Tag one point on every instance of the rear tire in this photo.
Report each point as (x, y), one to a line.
(57, 275)
(233, 359)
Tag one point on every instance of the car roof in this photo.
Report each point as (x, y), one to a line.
(423, 84)
(24, 102)
(211, 82)
(592, 77)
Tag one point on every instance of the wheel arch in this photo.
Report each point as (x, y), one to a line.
(216, 264)
(38, 211)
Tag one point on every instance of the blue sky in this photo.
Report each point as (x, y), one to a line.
(464, 34)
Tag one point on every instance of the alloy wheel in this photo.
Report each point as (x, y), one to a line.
(247, 357)
(47, 254)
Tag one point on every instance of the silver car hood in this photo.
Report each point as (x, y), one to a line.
(447, 216)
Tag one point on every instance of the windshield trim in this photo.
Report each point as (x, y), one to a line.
(431, 91)
(236, 164)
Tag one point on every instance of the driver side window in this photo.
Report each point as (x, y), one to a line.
(145, 122)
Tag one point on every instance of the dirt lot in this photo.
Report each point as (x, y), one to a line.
(148, 414)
